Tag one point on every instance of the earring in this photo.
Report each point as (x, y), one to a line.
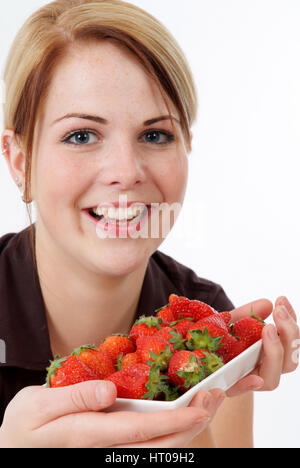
(19, 184)
(5, 150)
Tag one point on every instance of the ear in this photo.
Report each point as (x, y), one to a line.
(14, 156)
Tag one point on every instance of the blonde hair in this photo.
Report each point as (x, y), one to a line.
(48, 34)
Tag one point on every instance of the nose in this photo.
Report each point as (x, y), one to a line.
(123, 167)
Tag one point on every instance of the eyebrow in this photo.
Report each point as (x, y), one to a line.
(103, 121)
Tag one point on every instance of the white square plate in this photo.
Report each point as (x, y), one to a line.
(223, 378)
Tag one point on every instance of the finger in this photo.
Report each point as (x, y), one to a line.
(211, 401)
(282, 300)
(140, 427)
(270, 369)
(289, 334)
(250, 383)
(177, 440)
(103, 429)
(45, 404)
(262, 308)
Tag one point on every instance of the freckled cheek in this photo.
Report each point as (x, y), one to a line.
(58, 182)
(172, 179)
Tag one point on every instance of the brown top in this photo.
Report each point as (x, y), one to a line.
(24, 332)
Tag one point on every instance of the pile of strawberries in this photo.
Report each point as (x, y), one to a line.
(164, 355)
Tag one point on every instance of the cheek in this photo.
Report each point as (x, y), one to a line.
(58, 180)
(171, 176)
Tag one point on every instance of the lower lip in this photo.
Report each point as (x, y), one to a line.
(120, 230)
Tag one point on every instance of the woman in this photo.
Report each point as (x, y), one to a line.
(99, 107)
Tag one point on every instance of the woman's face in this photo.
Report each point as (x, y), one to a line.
(80, 164)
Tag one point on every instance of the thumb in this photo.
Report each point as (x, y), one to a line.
(53, 403)
(93, 395)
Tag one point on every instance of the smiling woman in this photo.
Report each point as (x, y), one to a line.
(100, 102)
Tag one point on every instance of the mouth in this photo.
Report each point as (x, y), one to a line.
(119, 215)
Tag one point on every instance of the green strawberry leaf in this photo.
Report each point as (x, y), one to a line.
(79, 350)
(54, 365)
(202, 340)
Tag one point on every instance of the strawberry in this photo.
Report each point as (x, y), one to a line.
(249, 329)
(117, 344)
(155, 349)
(179, 306)
(145, 326)
(166, 315)
(207, 334)
(183, 325)
(99, 361)
(210, 361)
(183, 307)
(185, 370)
(226, 316)
(139, 381)
(199, 310)
(172, 336)
(229, 348)
(66, 371)
(128, 360)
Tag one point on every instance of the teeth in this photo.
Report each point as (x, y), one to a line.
(119, 213)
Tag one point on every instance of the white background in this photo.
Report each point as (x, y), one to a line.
(240, 226)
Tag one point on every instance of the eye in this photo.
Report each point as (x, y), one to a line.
(80, 138)
(158, 137)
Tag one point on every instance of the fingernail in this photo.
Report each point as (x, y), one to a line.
(272, 333)
(102, 395)
(283, 313)
(281, 300)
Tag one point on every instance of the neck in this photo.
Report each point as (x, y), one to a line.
(83, 307)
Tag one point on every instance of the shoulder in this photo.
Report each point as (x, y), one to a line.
(5, 240)
(186, 282)
(15, 243)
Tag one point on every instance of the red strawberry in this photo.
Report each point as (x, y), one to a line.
(210, 361)
(128, 360)
(185, 370)
(226, 316)
(63, 372)
(139, 381)
(172, 336)
(145, 326)
(179, 306)
(249, 330)
(207, 333)
(166, 315)
(183, 325)
(229, 348)
(117, 344)
(99, 361)
(155, 349)
(183, 307)
(199, 310)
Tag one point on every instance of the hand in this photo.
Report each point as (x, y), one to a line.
(280, 344)
(71, 417)
(181, 438)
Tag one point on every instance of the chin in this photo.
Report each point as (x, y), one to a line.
(122, 258)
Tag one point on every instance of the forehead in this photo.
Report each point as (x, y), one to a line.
(106, 79)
